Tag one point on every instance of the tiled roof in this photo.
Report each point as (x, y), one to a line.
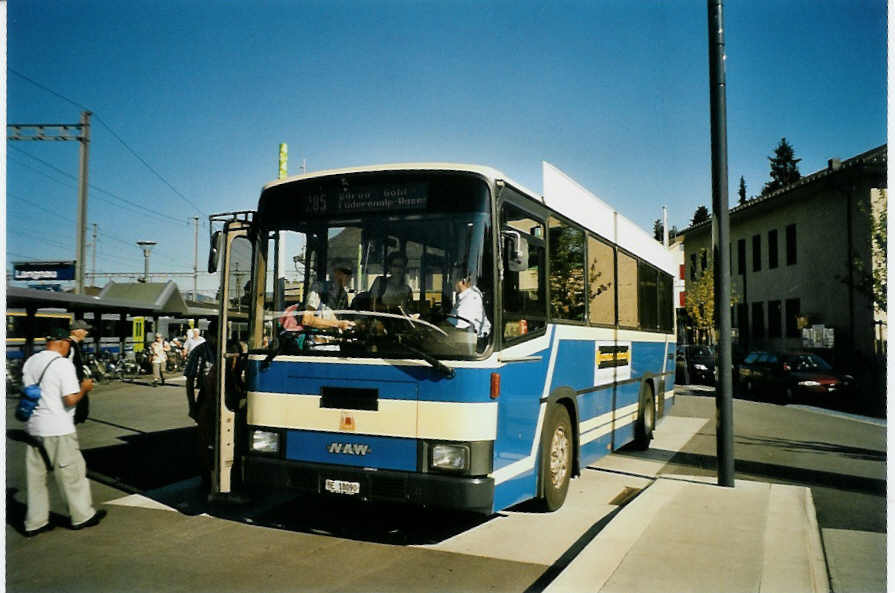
(876, 156)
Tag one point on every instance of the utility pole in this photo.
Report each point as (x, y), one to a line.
(66, 132)
(720, 240)
(283, 172)
(665, 226)
(93, 254)
(82, 200)
(196, 258)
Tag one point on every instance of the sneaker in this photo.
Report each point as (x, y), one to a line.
(94, 520)
(33, 532)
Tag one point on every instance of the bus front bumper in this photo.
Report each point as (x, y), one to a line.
(432, 490)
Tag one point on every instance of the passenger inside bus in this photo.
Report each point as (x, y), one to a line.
(392, 290)
(324, 298)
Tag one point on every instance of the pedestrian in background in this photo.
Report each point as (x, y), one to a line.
(158, 350)
(77, 333)
(193, 339)
(53, 441)
(200, 379)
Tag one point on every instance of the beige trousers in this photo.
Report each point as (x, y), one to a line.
(70, 471)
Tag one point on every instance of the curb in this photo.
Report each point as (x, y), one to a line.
(820, 576)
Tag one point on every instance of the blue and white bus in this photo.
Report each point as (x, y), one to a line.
(403, 405)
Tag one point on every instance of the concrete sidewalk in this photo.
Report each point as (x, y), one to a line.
(687, 534)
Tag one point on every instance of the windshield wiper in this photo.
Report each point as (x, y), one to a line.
(434, 362)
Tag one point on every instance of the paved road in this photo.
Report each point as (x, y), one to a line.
(161, 535)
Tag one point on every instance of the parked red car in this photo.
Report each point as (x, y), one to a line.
(791, 377)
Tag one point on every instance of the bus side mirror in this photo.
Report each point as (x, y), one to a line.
(516, 251)
(214, 252)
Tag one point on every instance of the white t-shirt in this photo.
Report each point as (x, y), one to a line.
(51, 417)
(157, 349)
(470, 307)
(192, 342)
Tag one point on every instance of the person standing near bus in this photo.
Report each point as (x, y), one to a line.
(193, 339)
(53, 445)
(158, 348)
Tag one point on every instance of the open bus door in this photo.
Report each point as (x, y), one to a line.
(231, 251)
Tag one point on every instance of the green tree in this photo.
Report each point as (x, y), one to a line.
(874, 282)
(742, 190)
(701, 215)
(659, 229)
(784, 168)
(700, 306)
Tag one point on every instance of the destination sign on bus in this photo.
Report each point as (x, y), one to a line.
(374, 198)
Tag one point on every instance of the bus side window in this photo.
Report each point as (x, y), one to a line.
(524, 292)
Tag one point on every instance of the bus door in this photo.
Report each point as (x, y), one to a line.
(234, 247)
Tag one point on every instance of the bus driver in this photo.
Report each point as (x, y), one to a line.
(469, 307)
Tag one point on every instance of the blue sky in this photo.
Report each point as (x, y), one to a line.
(615, 93)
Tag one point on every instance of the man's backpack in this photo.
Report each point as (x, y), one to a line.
(30, 396)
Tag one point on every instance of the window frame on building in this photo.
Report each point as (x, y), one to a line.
(758, 327)
(775, 319)
(791, 245)
(756, 253)
(773, 252)
(792, 311)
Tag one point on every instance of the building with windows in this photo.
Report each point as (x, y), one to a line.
(800, 259)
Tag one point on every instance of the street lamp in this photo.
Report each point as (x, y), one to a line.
(147, 247)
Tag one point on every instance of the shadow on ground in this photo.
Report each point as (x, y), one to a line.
(163, 466)
(778, 473)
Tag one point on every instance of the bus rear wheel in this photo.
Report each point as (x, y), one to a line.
(646, 419)
(556, 458)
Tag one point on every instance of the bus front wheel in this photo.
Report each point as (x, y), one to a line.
(556, 458)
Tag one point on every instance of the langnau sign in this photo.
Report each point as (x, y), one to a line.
(58, 270)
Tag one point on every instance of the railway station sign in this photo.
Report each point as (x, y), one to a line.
(44, 270)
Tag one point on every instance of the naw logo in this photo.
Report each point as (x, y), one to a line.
(359, 449)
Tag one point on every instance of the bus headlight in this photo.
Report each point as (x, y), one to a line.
(265, 441)
(450, 457)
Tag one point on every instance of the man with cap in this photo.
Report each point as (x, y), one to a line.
(76, 334)
(53, 440)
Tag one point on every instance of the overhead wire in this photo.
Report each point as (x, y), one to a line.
(99, 189)
(100, 232)
(114, 135)
(125, 203)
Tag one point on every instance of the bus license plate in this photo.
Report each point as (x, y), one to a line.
(341, 487)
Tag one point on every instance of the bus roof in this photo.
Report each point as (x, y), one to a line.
(561, 193)
(566, 196)
(488, 172)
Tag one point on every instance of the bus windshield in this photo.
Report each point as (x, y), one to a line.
(396, 267)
